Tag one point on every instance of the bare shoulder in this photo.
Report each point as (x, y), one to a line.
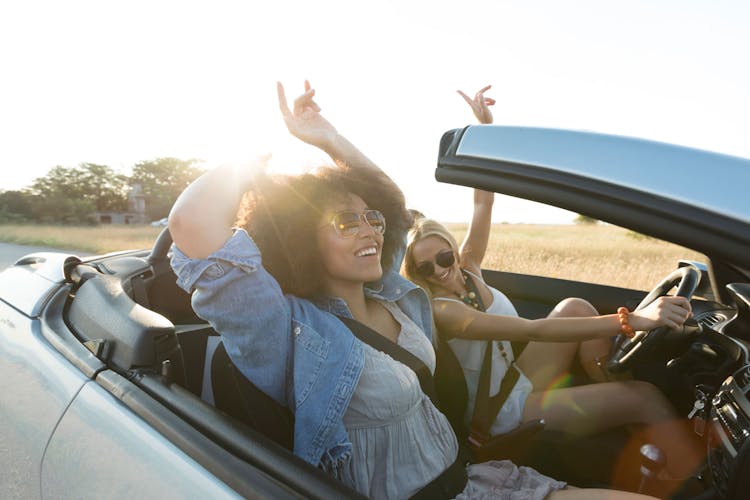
(448, 308)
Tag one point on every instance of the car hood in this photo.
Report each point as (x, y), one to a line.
(28, 284)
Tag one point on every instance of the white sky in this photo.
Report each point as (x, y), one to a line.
(120, 82)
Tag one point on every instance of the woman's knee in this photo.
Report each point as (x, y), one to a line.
(574, 307)
(652, 401)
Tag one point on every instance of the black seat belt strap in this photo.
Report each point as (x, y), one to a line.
(377, 341)
(487, 407)
(452, 480)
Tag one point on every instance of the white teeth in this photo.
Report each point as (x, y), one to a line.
(367, 251)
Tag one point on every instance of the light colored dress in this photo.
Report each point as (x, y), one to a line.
(470, 354)
(401, 442)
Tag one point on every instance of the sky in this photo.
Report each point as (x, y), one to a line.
(116, 83)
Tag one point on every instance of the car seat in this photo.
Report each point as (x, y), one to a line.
(234, 394)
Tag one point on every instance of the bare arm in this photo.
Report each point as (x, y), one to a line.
(480, 104)
(474, 245)
(460, 321)
(306, 123)
(201, 219)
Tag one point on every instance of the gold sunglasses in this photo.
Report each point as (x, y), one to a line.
(347, 222)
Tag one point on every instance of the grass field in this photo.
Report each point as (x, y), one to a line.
(594, 253)
(93, 239)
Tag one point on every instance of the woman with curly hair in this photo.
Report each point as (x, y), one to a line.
(312, 249)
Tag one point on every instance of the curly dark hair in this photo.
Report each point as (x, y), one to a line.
(282, 214)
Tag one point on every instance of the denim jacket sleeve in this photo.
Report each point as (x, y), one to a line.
(239, 298)
(298, 354)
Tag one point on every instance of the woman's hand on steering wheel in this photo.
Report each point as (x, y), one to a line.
(655, 309)
(669, 311)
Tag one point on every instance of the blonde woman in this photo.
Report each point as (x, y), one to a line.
(468, 313)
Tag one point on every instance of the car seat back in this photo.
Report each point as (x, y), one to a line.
(198, 342)
(123, 334)
(234, 394)
(450, 385)
(211, 375)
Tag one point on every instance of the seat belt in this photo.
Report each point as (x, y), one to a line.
(487, 407)
(377, 341)
(452, 480)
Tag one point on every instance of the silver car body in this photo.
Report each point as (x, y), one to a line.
(57, 420)
(74, 424)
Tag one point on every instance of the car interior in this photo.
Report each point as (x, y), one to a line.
(145, 345)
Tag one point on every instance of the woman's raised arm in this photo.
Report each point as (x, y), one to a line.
(477, 237)
(474, 246)
(306, 123)
(201, 219)
(480, 104)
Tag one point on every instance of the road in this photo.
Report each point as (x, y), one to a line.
(10, 253)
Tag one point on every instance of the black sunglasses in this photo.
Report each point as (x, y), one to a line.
(444, 259)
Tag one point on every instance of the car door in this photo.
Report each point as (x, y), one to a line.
(535, 296)
(38, 383)
(74, 428)
(101, 449)
(37, 387)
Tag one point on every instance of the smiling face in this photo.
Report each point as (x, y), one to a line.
(426, 251)
(350, 261)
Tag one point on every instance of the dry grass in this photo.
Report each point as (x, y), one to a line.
(93, 239)
(597, 253)
(592, 253)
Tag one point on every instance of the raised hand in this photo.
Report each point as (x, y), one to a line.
(670, 311)
(305, 121)
(480, 104)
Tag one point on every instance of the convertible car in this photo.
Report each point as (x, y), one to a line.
(113, 387)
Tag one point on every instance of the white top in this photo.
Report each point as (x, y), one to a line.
(401, 442)
(470, 354)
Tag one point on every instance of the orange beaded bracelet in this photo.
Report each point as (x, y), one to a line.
(622, 314)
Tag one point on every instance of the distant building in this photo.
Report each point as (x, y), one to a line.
(136, 213)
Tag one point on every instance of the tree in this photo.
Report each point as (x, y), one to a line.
(58, 208)
(71, 195)
(162, 180)
(585, 219)
(15, 206)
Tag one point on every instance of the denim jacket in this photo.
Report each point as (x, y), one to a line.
(294, 350)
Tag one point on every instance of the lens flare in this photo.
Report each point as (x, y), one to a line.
(551, 397)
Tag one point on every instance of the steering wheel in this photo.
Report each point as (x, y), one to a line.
(161, 245)
(159, 256)
(625, 349)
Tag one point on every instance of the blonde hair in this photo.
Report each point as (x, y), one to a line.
(421, 229)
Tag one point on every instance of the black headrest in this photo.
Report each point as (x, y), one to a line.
(123, 334)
